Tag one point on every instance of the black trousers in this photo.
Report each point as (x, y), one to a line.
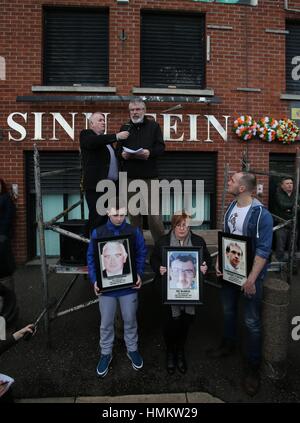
(95, 219)
(176, 329)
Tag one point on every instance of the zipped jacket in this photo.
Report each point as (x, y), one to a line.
(139, 250)
(258, 225)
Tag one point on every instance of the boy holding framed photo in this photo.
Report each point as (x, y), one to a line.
(105, 253)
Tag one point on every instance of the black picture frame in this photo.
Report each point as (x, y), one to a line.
(172, 291)
(235, 257)
(120, 274)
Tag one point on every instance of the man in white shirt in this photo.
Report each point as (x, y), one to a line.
(248, 217)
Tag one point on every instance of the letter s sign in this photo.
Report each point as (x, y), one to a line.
(296, 69)
(296, 330)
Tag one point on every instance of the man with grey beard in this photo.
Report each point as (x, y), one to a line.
(145, 137)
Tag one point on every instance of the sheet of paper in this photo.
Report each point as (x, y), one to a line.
(130, 151)
(8, 382)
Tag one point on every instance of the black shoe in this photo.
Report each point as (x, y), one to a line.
(171, 362)
(181, 362)
(251, 381)
(226, 348)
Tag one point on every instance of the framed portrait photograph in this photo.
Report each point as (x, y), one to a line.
(235, 257)
(183, 281)
(114, 264)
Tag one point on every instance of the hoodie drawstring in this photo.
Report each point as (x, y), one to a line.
(257, 232)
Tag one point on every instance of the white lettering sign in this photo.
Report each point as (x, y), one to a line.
(172, 125)
(168, 127)
(2, 68)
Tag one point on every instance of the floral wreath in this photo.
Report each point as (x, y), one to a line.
(287, 131)
(267, 128)
(245, 127)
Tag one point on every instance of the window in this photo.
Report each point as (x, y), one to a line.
(59, 191)
(246, 2)
(292, 64)
(75, 46)
(172, 50)
(191, 166)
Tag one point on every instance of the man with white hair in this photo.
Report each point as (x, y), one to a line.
(145, 137)
(98, 162)
(114, 257)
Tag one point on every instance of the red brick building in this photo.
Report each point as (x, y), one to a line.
(211, 61)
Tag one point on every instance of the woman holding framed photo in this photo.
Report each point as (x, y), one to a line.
(177, 318)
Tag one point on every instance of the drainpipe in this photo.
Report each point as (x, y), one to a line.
(286, 7)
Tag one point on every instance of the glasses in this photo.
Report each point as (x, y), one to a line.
(186, 272)
(182, 226)
(236, 253)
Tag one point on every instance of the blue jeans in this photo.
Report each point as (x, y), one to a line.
(230, 295)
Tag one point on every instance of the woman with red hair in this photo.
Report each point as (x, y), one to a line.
(177, 319)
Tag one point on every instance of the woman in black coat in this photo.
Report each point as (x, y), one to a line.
(177, 319)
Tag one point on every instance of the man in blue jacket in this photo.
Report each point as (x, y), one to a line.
(127, 297)
(248, 217)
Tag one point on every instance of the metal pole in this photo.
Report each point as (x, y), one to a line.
(294, 226)
(67, 210)
(271, 173)
(58, 172)
(81, 188)
(40, 225)
(68, 233)
(220, 224)
(65, 293)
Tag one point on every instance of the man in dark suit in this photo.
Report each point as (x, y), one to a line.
(98, 161)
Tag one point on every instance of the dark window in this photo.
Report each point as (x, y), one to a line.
(67, 182)
(172, 50)
(293, 57)
(284, 164)
(75, 46)
(191, 166)
(59, 191)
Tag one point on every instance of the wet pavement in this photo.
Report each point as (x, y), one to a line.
(67, 369)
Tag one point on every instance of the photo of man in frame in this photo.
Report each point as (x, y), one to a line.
(234, 253)
(114, 259)
(183, 271)
(115, 264)
(234, 260)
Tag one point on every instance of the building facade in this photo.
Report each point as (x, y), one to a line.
(198, 65)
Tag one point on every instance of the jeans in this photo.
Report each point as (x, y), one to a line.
(230, 295)
(283, 239)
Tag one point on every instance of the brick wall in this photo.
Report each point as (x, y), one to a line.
(244, 56)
